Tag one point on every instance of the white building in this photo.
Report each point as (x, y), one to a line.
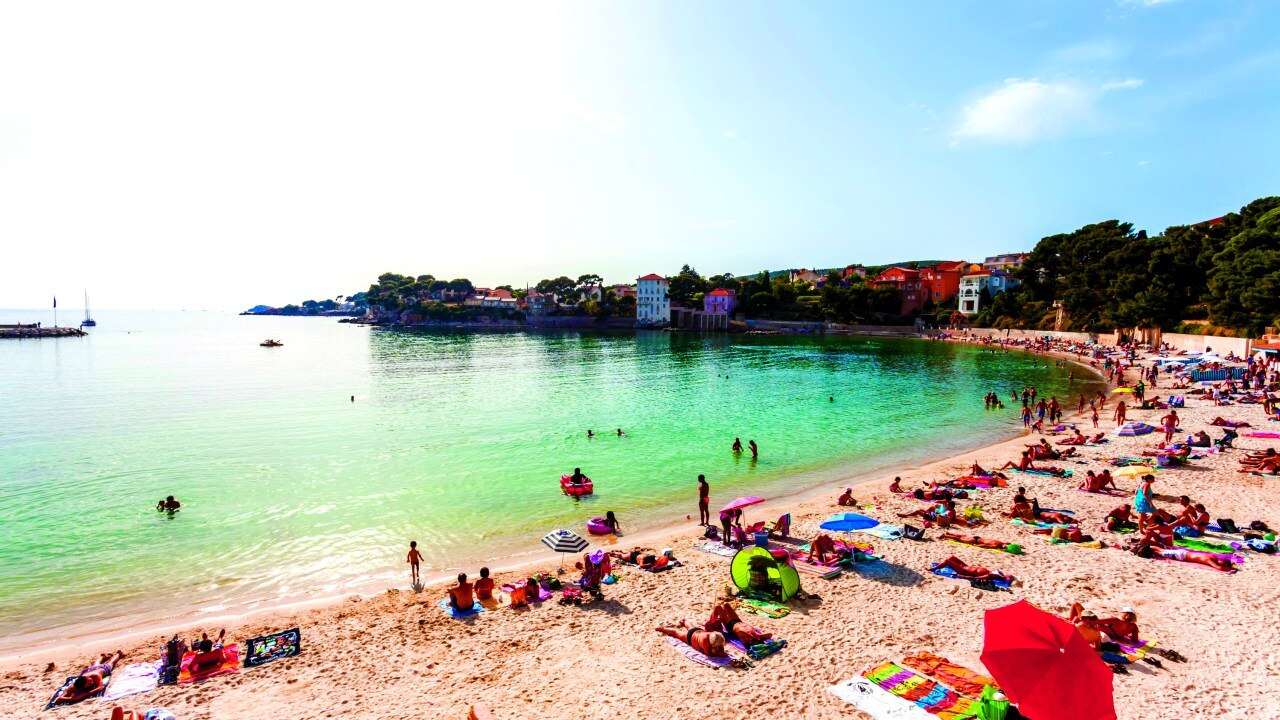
(653, 305)
(971, 286)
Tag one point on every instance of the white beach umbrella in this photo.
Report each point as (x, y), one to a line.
(564, 541)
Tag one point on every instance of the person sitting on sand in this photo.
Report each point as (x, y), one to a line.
(1024, 464)
(758, 579)
(169, 505)
(1086, 622)
(461, 596)
(1124, 627)
(1098, 483)
(208, 652)
(944, 513)
(484, 586)
(971, 572)
(1021, 510)
(896, 485)
(976, 541)
(1201, 438)
(846, 499)
(707, 642)
(91, 680)
(724, 619)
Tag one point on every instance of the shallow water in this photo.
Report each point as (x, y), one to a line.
(455, 439)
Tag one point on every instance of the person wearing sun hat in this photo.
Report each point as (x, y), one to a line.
(1124, 627)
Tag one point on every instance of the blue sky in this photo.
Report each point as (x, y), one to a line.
(221, 156)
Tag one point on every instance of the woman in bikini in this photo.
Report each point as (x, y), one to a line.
(724, 619)
(707, 642)
(971, 572)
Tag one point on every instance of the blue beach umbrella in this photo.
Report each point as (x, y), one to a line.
(848, 522)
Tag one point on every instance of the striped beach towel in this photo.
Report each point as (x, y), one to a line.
(932, 697)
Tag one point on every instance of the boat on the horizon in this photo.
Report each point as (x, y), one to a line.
(270, 343)
(88, 320)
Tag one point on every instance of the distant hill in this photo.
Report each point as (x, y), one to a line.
(871, 269)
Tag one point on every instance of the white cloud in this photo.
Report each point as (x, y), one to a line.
(1126, 84)
(1023, 111)
(730, 134)
(1143, 163)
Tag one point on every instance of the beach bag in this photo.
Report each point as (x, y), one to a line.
(712, 533)
(911, 532)
(987, 584)
(1228, 525)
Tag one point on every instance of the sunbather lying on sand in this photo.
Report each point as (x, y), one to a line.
(1218, 421)
(823, 550)
(1026, 465)
(1184, 555)
(1071, 534)
(1023, 510)
(976, 470)
(641, 558)
(90, 680)
(944, 513)
(724, 619)
(976, 541)
(1124, 627)
(707, 642)
(971, 572)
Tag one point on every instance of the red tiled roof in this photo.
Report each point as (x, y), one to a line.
(651, 276)
(722, 291)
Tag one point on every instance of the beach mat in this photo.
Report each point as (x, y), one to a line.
(1205, 545)
(687, 650)
(947, 572)
(822, 571)
(133, 680)
(957, 677)
(230, 663)
(765, 608)
(66, 684)
(877, 702)
(1045, 473)
(932, 697)
(759, 651)
(476, 609)
(716, 548)
(269, 648)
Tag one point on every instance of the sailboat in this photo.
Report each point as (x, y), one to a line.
(88, 321)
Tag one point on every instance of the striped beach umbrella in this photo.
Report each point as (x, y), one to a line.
(1133, 428)
(564, 541)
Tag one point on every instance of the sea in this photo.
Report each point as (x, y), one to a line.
(306, 469)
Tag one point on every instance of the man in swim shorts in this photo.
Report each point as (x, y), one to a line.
(91, 680)
(461, 596)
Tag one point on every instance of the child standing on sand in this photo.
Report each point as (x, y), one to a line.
(414, 559)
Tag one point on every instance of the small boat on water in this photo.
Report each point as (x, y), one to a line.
(271, 343)
(88, 320)
(586, 487)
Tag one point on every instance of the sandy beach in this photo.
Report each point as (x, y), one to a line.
(395, 654)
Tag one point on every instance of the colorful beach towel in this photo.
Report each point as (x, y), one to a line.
(1039, 524)
(66, 684)
(687, 650)
(929, 695)
(1263, 435)
(877, 702)
(192, 673)
(132, 680)
(476, 609)
(767, 609)
(269, 648)
(1198, 544)
(958, 677)
(716, 548)
(946, 572)
(1046, 473)
(799, 562)
(759, 651)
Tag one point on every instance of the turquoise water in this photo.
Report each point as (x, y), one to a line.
(455, 439)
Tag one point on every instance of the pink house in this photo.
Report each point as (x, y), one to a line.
(720, 301)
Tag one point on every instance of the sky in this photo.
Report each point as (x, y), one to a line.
(220, 155)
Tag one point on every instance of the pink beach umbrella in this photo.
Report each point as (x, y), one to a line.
(741, 503)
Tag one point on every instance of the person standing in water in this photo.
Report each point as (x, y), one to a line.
(414, 560)
(590, 434)
(755, 451)
(704, 500)
(620, 433)
(737, 445)
(169, 505)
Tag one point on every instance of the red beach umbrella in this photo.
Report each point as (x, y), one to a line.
(1045, 666)
(741, 503)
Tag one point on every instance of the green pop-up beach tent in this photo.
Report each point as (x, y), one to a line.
(779, 572)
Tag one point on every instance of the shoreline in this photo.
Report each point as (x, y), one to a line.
(800, 500)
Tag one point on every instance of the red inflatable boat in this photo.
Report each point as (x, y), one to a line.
(566, 484)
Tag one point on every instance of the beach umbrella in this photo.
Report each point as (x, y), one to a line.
(848, 522)
(1134, 471)
(1133, 428)
(1045, 666)
(564, 541)
(741, 503)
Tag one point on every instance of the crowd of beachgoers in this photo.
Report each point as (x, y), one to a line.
(1137, 515)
